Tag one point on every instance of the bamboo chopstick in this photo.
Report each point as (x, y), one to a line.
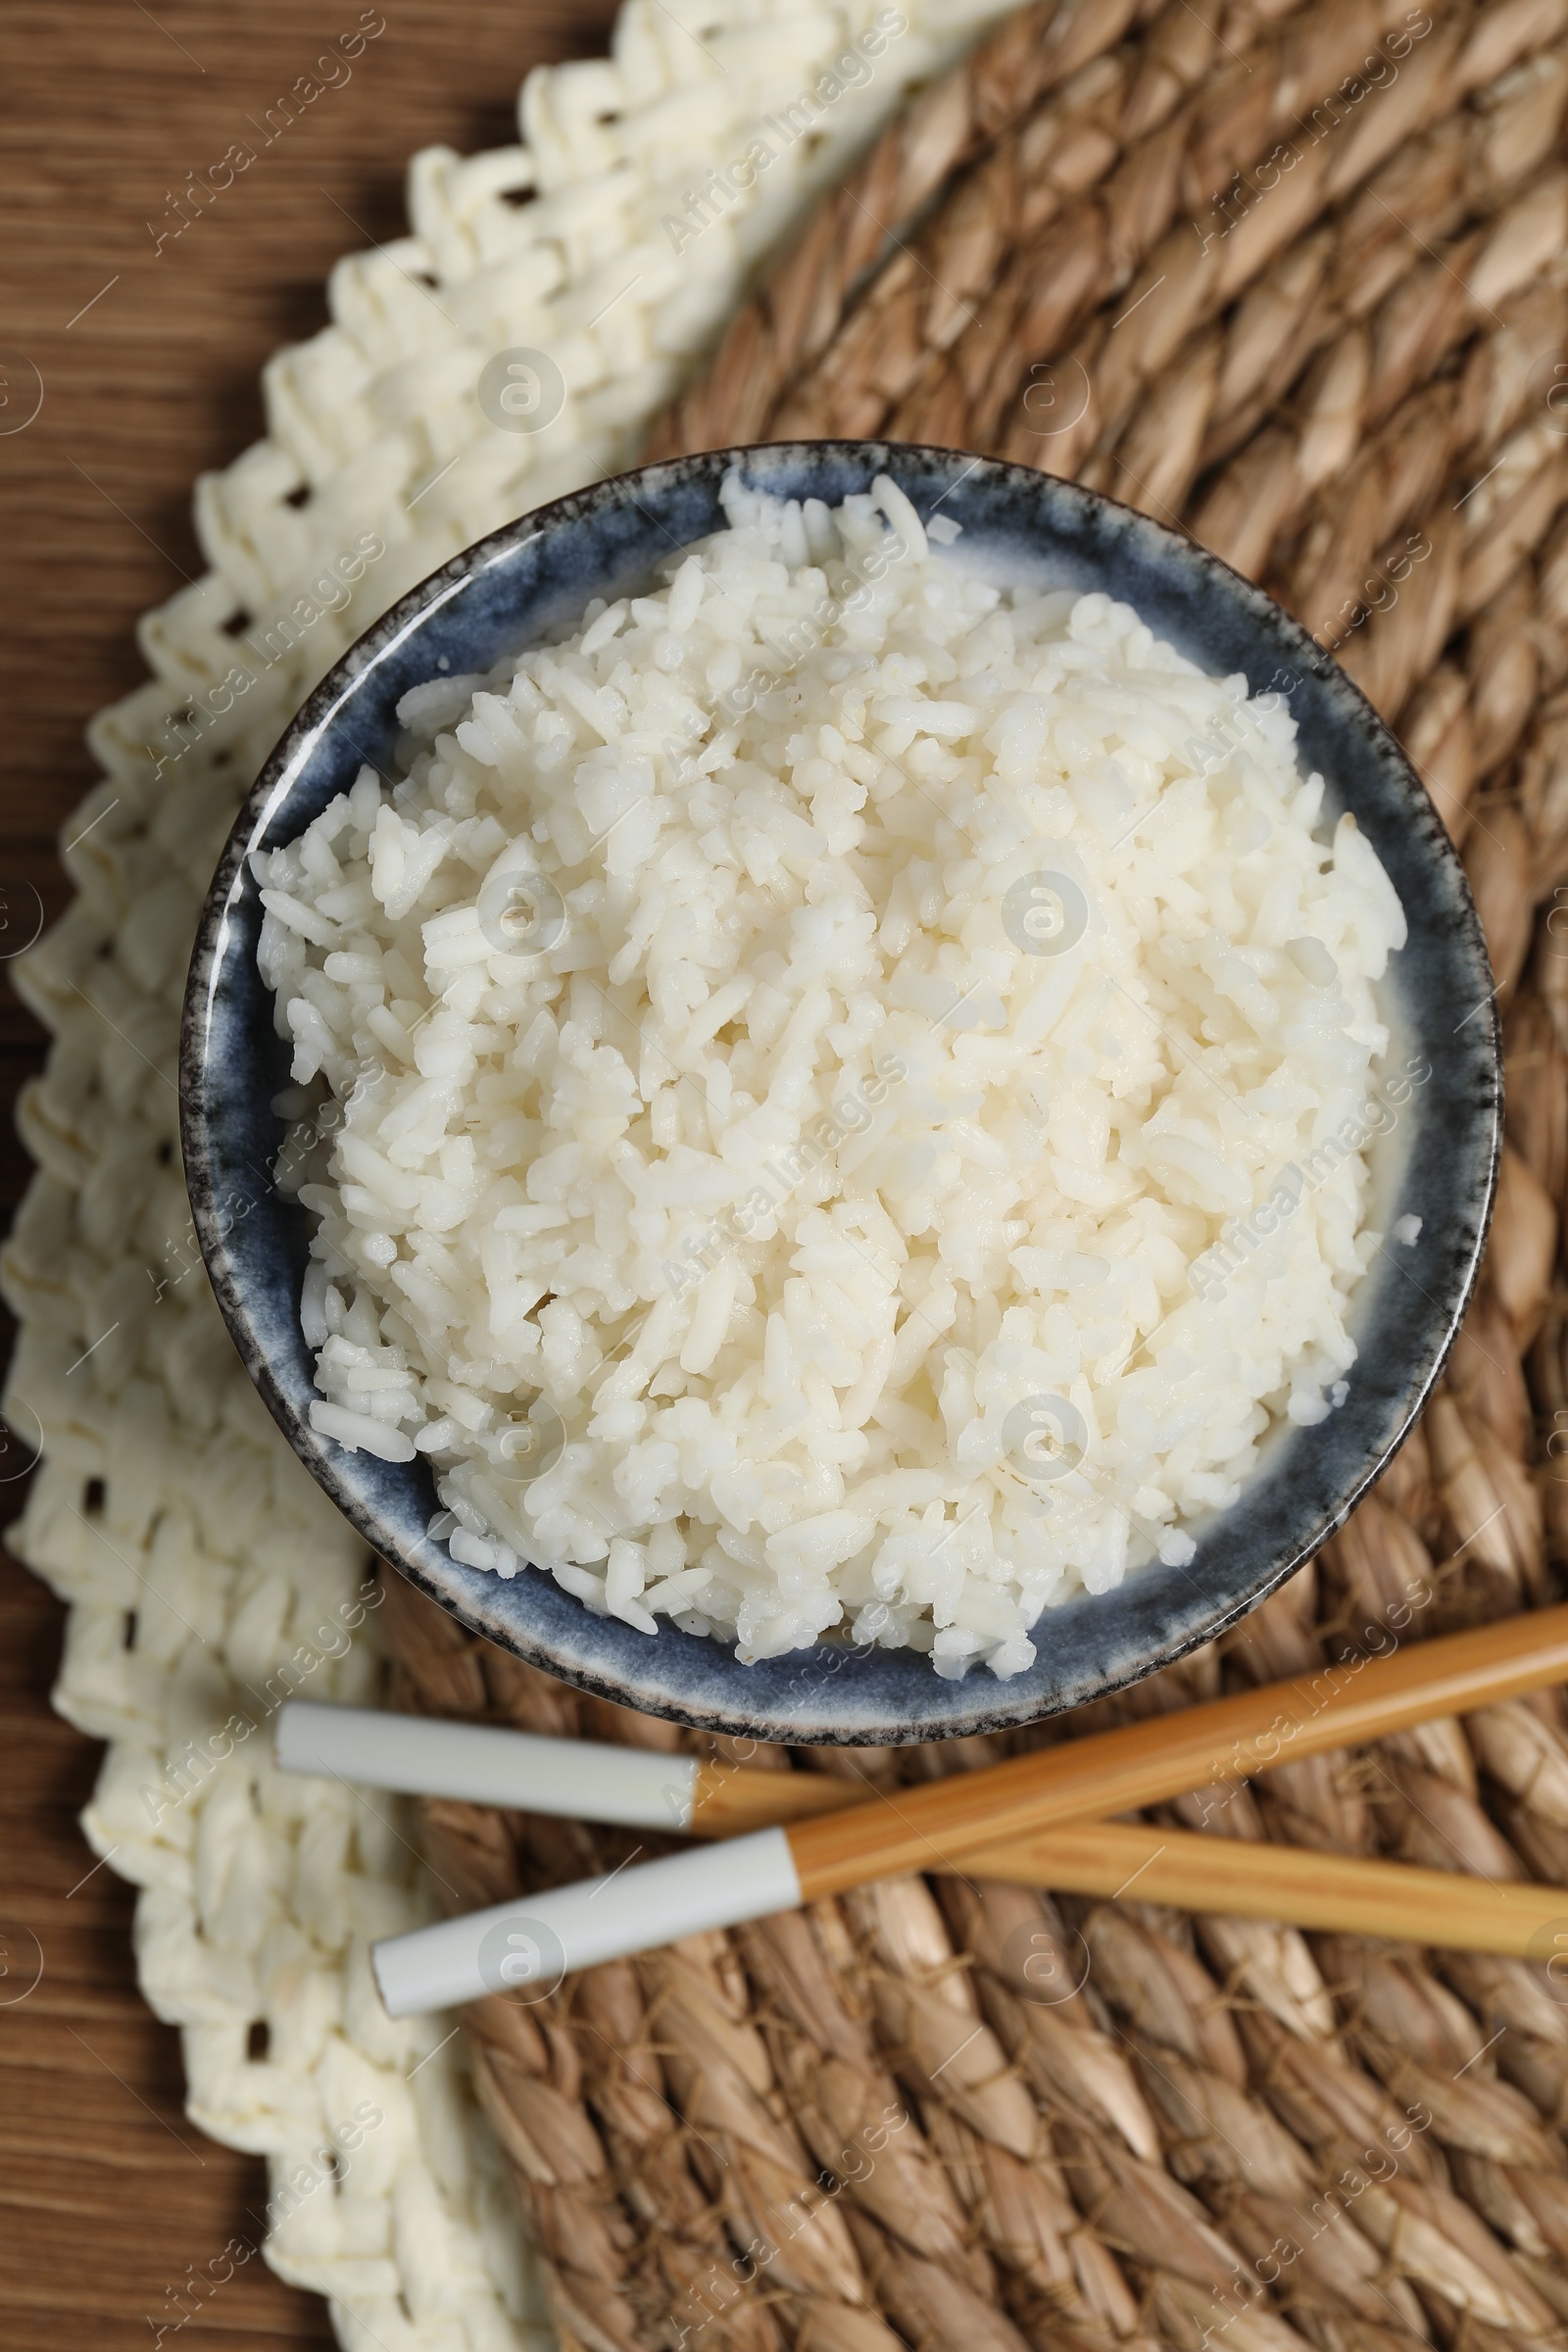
(1143, 1763)
(1289, 1884)
(639, 1789)
(946, 1824)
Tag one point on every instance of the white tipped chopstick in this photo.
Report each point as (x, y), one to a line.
(422, 1755)
(582, 1780)
(532, 1940)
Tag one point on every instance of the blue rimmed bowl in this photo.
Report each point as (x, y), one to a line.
(1439, 1163)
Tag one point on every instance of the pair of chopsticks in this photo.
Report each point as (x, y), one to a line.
(1034, 1820)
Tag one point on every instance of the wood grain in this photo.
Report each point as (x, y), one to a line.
(108, 2195)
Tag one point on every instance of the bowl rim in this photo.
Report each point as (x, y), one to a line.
(268, 794)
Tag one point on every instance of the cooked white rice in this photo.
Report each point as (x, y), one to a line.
(853, 1091)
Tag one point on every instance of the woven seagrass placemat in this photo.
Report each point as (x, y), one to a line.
(1297, 283)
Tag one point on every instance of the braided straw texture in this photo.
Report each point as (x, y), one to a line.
(1296, 281)
(205, 1576)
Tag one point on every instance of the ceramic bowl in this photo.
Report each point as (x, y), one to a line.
(1438, 1165)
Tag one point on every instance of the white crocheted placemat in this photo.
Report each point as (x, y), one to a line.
(552, 295)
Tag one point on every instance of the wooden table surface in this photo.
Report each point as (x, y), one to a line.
(150, 364)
